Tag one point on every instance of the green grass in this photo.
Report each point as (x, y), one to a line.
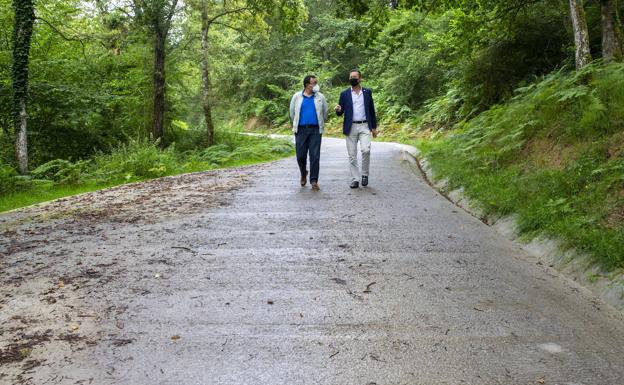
(131, 163)
(23, 199)
(553, 156)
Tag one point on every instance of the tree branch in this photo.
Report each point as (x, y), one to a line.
(61, 34)
(190, 39)
(239, 30)
(170, 14)
(227, 12)
(422, 19)
(514, 8)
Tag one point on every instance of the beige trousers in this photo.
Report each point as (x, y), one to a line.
(361, 133)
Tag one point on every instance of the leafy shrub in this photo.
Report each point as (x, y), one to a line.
(135, 160)
(442, 111)
(61, 171)
(217, 154)
(188, 140)
(235, 148)
(8, 179)
(274, 111)
(576, 198)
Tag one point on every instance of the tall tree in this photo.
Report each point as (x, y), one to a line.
(22, 33)
(205, 72)
(223, 13)
(611, 33)
(581, 34)
(157, 15)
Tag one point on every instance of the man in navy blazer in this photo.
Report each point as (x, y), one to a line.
(360, 122)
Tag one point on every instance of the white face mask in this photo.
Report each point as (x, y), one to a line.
(316, 88)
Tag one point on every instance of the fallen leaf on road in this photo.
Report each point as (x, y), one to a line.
(74, 327)
(25, 352)
(61, 284)
(541, 380)
(175, 337)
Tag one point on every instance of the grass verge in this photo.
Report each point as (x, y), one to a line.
(553, 156)
(131, 163)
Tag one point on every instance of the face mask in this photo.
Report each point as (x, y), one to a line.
(316, 88)
(354, 81)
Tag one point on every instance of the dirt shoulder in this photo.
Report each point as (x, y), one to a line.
(55, 259)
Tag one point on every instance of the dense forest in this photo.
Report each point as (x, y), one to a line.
(519, 101)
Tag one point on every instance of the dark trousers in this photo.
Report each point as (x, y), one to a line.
(308, 140)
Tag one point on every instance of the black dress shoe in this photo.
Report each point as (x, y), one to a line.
(364, 180)
(354, 184)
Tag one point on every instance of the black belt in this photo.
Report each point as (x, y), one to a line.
(309, 126)
(359, 121)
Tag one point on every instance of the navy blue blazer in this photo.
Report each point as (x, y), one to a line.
(347, 109)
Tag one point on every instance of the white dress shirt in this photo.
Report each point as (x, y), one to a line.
(359, 113)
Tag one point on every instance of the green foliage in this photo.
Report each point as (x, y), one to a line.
(411, 63)
(553, 155)
(7, 179)
(84, 94)
(24, 12)
(459, 61)
(133, 161)
(271, 109)
(442, 111)
(327, 47)
(61, 171)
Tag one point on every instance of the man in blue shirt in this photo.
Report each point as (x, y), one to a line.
(308, 111)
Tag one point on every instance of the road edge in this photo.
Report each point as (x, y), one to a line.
(546, 250)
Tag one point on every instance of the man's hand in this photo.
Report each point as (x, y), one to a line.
(338, 108)
(374, 133)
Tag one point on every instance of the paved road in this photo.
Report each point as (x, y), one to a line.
(390, 284)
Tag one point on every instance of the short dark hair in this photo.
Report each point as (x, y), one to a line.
(308, 79)
(356, 70)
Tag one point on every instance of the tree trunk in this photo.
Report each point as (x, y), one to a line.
(22, 33)
(21, 142)
(206, 75)
(611, 34)
(158, 123)
(581, 35)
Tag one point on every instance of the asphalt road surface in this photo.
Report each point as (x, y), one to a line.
(244, 277)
